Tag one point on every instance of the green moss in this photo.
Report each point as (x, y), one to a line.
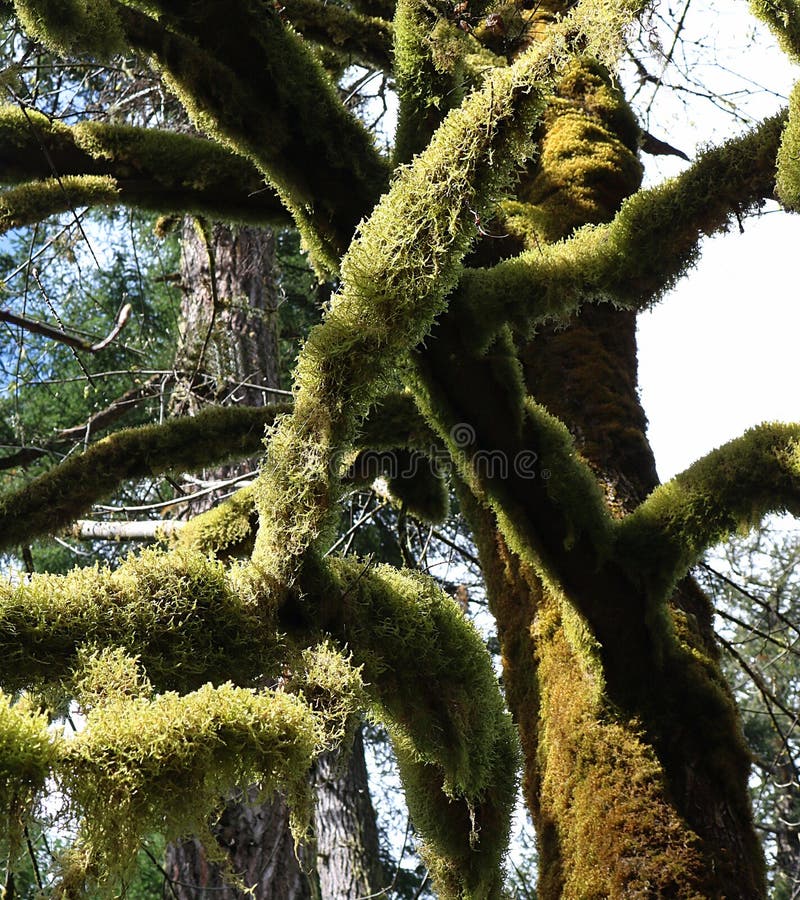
(227, 529)
(30, 203)
(73, 26)
(431, 680)
(783, 17)
(729, 490)
(186, 618)
(163, 764)
(27, 754)
(53, 500)
(788, 181)
(633, 260)
(396, 276)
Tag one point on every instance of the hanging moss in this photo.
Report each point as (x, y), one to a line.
(54, 500)
(788, 181)
(186, 617)
(162, 764)
(27, 753)
(431, 678)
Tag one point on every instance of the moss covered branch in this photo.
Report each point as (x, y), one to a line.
(187, 618)
(634, 259)
(396, 277)
(788, 183)
(431, 678)
(364, 38)
(53, 500)
(109, 164)
(729, 490)
(253, 84)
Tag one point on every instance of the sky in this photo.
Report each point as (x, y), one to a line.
(719, 353)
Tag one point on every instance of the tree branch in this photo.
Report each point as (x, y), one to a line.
(108, 164)
(58, 334)
(253, 84)
(636, 258)
(365, 38)
(53, 500)
(730, 489)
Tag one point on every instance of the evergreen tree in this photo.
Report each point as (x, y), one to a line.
(487, 277)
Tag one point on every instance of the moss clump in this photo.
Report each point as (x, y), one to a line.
(729, 490)
(186, 617)
(431, 680)
(783, 17)
(226, 530)
(28, 753)
(37, 200)
(70, 26)
(163, 764)
(788, 182)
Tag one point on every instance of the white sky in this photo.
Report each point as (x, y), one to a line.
(719, 354)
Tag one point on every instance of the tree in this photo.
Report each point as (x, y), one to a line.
(488, 277)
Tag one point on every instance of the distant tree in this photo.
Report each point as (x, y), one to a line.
(755, 585)
(487, 277)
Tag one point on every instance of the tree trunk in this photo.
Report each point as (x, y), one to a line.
(229, 354)
(635, 765)
(348, 863)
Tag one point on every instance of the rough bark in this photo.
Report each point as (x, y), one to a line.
(348, 863)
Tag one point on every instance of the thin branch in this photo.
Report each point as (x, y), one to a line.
(57, 334)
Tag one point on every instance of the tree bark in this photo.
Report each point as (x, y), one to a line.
(348, 863)
(229, 337)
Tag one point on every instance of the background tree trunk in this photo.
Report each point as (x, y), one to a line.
(229, 354)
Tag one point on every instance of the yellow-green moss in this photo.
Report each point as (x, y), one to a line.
(227, 529)
(28, 752)
(788, 181)
(53, 500)
(32, 202)
(730, 489)
(431, 680)
(783, 17)
(163, 764)
(187, 618)
(73, 26)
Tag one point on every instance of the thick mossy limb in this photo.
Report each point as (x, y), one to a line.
(33, 202)
(251, 82)
(365, 38)
(788, 183)
(729, 490)
(163, 764)
(187, 618)
(107, 164)
(396, 277)
(431, 679)
(783, 18)
(226, 530)
(53, 500)
(73, 26)
(429, 72)
(633, 260)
